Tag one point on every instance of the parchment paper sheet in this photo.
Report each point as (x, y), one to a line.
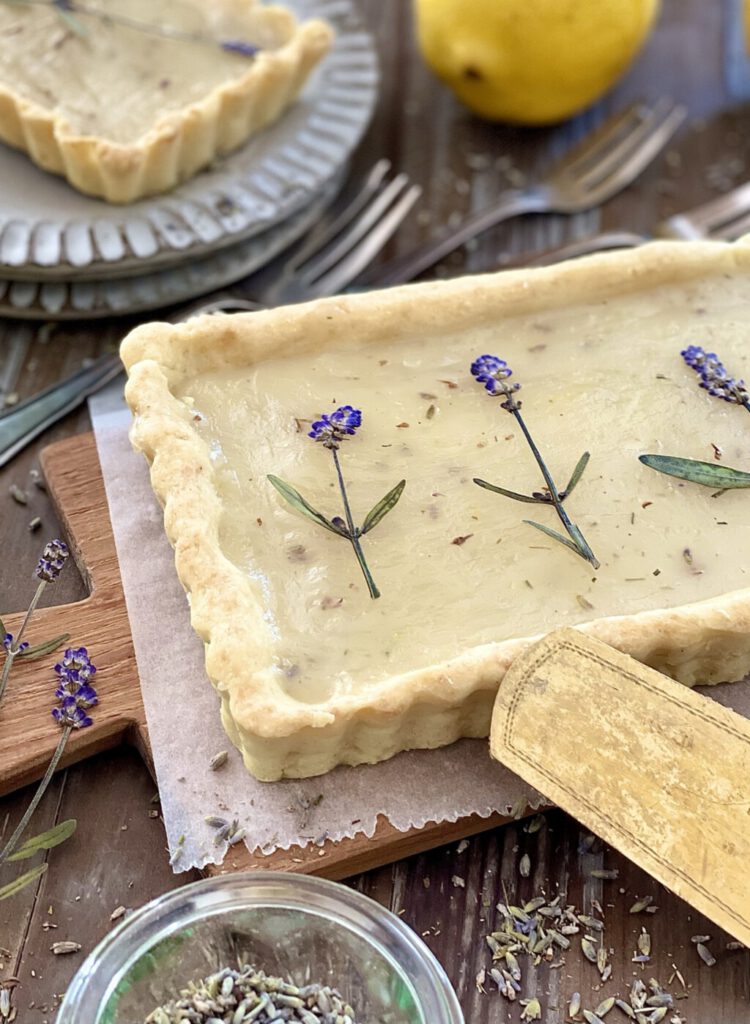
(182, 710)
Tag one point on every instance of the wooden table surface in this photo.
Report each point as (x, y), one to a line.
(118, 857)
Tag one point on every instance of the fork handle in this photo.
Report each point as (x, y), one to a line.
(512, 203)
(605, 242)
(26, 421)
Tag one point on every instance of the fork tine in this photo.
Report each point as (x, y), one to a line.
(734, 229)
(319, 264)
(643, 153)
(319, 240)
(577, 158)
(362, 254)
(710, 216)
(629, 145)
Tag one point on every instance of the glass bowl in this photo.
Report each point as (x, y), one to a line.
(301, 928)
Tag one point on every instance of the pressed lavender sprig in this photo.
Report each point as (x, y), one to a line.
(494, 374)
(68, 9)
(49, 567)
(714, 379)
(330, 431)
(75, 697)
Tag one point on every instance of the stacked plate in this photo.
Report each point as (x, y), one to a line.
(64, 255)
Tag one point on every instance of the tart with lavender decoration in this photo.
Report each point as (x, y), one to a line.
(525, 509)
(127, 98)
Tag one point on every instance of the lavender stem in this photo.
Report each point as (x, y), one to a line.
(40, 791)
(11, 654)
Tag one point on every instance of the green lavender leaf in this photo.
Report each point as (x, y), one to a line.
(510, 494)
(295, 499)
(577, 473)
(3, 630)
(708, 474)
(39, 650)
(45, 840)
(22, 881)
(582, 546)
(383, 507)
(555, 536)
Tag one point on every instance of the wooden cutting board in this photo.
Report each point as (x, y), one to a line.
(75, 485)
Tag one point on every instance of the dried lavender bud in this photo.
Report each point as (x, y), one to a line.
(60, 948)
(714, 377)
(53, 559)
(7, 643)
(260, 997)
(74, 692)
(240, 47)
(332, 429)
(493, 372)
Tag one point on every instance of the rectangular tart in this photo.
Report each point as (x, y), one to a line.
(313, 673)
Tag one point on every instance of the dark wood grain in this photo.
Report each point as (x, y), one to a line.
(462, 163)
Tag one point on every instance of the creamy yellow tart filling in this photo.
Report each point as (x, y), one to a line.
(89, 93)
(321, 673)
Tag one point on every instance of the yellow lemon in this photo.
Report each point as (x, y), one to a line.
(531, 61)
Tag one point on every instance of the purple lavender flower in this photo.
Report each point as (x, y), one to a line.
(714, 377)
(53, 559)
(71, 716)
(493, 372)
(76, 667)
(8, 643)
(490, 366)
(84, 695)
(331, 429)
(75, 694)
(240, 47)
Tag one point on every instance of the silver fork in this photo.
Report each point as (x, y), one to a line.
(324, 264)
(725, 218)
(594, 171)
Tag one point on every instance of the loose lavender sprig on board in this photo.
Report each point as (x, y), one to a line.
(75, 697)
(494, 374)
(330, 431)
(714, 379)
(68, 9)
(49, 567)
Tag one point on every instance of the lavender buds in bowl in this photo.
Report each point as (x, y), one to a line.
(314, 934)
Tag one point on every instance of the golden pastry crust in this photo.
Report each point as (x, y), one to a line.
(182, 142)
(706, 642)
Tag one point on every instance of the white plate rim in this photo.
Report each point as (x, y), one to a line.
(96, 300)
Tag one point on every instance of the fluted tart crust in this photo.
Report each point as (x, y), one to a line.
(313, 673)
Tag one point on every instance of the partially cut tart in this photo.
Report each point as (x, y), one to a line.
(311, 671)
(126, 98)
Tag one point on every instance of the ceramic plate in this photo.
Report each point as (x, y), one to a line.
(49, 231)
(88, 300)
